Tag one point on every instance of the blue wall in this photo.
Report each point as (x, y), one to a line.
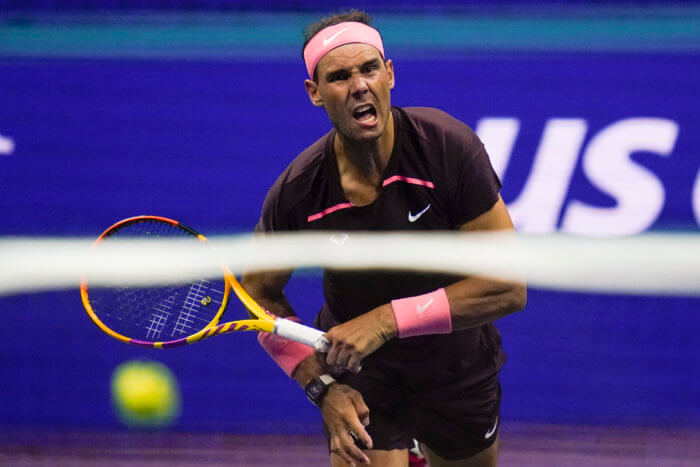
(96, 140)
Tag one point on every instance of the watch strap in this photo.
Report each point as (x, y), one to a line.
(317, 388)
(327, 379)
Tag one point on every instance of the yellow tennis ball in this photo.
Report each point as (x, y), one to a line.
(145, 393)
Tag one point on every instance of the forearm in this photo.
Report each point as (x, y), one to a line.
(267, 290)
(472, 302)
(278, 306)
(475, 301)
(309, 368)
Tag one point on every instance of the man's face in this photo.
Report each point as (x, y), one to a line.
(354, 86)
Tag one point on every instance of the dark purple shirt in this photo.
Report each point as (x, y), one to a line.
(438, 178)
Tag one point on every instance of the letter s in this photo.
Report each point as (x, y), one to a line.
(607, 164)
(696, 198)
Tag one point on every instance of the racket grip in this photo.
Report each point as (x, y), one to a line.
(300, 333)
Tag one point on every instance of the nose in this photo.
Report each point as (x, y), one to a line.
(358, 85)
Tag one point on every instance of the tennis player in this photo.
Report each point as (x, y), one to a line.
(423, 349)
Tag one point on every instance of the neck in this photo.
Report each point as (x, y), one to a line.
(365, 159)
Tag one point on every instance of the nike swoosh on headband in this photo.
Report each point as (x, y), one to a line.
(328, 40)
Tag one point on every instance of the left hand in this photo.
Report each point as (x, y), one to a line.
(359, 337)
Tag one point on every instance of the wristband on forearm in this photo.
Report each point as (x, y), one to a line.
(423, 314)
(286, 353)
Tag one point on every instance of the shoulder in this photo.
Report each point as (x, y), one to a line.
(445, 140)
(437, 126)
(429, 115)
(307, 161)
(294, 184)
(456, 160)
(304, 166)
(442, 136)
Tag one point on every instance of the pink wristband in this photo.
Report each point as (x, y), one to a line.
(423, 314)
(286, 353)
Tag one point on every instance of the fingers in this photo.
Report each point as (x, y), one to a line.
(355, 339)
(358, 441)
(356, 426)
(354, 363)
(346, 415)
(344, 356)
(332, 355)
(343, 445)
(360, 435)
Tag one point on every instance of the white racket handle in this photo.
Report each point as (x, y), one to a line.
(300, 333)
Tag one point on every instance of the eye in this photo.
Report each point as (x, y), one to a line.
(338, 76)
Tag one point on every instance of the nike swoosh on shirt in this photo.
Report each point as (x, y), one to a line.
(492, 430)
(328, 40)
(414, 217)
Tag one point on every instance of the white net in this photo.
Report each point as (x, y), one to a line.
(660, 264)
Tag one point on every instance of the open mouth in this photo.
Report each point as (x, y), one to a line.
(365, 113)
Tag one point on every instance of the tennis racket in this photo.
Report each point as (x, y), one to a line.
(180, 314)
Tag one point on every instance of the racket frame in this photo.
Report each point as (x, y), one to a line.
(266, 321)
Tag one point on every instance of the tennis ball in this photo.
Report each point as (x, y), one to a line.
(145, 393)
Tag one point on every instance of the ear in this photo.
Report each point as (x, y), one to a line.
(312, 91)
(390, 69)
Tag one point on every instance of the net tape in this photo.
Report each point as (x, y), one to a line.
(659, 263)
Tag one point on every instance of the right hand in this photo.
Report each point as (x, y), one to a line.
(353, 340)
(344, 411)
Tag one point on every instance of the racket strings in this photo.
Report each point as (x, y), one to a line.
(190, 313)
(157, 313)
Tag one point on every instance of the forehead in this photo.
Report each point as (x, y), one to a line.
(347, 56)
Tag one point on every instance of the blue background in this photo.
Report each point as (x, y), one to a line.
(201, 141)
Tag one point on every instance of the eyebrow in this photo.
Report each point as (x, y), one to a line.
(333, 74)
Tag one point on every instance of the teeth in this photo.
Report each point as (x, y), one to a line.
(363, 108)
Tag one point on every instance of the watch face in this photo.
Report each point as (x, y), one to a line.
(317, 388)
(314, 390)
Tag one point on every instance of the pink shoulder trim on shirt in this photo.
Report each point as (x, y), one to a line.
(337, 207)
(414, 181)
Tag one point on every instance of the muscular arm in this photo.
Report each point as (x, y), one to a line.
(267, 288)
(477, 300)
(473, 301)
(343, 408)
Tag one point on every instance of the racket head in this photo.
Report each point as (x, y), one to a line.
(162, 316)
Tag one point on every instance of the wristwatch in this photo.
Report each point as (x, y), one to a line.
(317, 388)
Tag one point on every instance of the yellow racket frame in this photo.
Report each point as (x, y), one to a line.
(265, 320)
